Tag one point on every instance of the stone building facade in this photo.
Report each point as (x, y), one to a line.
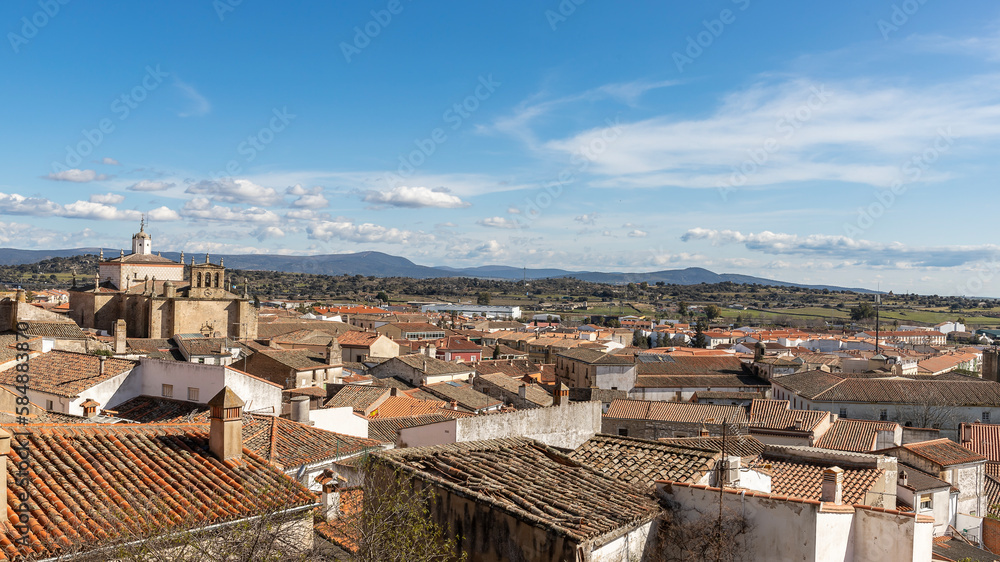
(157, 298)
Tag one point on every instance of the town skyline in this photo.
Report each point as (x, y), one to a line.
(567, 135)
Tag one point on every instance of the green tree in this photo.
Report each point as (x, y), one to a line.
(496, 351)
(682, 308)
(700, 339)
(863, 311)
(382, 296)
(483, 299)
(712, 312)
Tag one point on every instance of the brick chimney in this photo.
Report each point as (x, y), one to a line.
(120, 330)
(561, 395)
(225, 434)
(833, 485)
(90, 408)
(330, 481)
(333, 352)
(5, 438)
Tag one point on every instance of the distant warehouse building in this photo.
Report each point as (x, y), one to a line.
(475, 310)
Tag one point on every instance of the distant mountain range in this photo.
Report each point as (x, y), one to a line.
(384, 265)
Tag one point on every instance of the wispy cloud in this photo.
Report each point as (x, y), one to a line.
(416, 197)
(77, 175)
(863, 252)
(198, 105)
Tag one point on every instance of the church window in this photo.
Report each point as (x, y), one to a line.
(199, 279)
(216, 280)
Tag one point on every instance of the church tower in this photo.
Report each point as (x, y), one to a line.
(142, 243)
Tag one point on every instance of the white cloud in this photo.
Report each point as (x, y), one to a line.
(98, 211)
(513, 211)
(149, 185)
(17, 204)
(306, 215)
(415, 197)
(311, 198)
(498, 222)
(264, 232)
(202, 208)
(163, 214)
(637, 233)
(107, 198)
(366, 232)
(77, 175)
(110, 161)
(590, 218)
(235, 191)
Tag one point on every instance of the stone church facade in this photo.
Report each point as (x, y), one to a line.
(159, 298)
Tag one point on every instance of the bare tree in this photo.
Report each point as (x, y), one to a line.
(687, 535)
(396, 520)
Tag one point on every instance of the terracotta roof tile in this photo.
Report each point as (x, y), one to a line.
(854, 435)
(531, 482)
(68, 374)
(985, 440)
(642, 462)
(805, 480)
(944, 452)
(92, 484)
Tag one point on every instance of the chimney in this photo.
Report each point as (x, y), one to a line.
(300, 409)
(522, 391)
(5, 437)
(454, 405)
(561, 395)
(798, 423)
(904, 478)
(225, 435)
(703, 432)
(120, 330)
(833, 485)
(90, 408)
(333, 352)
(965, 430)
(101, 360)
(330, 482)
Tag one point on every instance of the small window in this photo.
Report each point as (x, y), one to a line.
(168, 391)
(925, 502)
(48, 405)
(192, 394)
(623, 432)
(843, 412)
(883, 414)
(201, 359)
(986, 417)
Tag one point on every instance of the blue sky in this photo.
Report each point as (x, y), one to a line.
(849, 143)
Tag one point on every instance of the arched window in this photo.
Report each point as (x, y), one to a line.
(216, 280)
(199, 280)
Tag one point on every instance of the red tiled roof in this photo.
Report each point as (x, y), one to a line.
(358, 397)
(643, 462)
(944, 452)
(775, 414)
(676, 411)
(68, 374)
(359, 339)
(985, 440)
(92, 484)
(402, 406)
(854, 435)
(805, 480)
(288, 444)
